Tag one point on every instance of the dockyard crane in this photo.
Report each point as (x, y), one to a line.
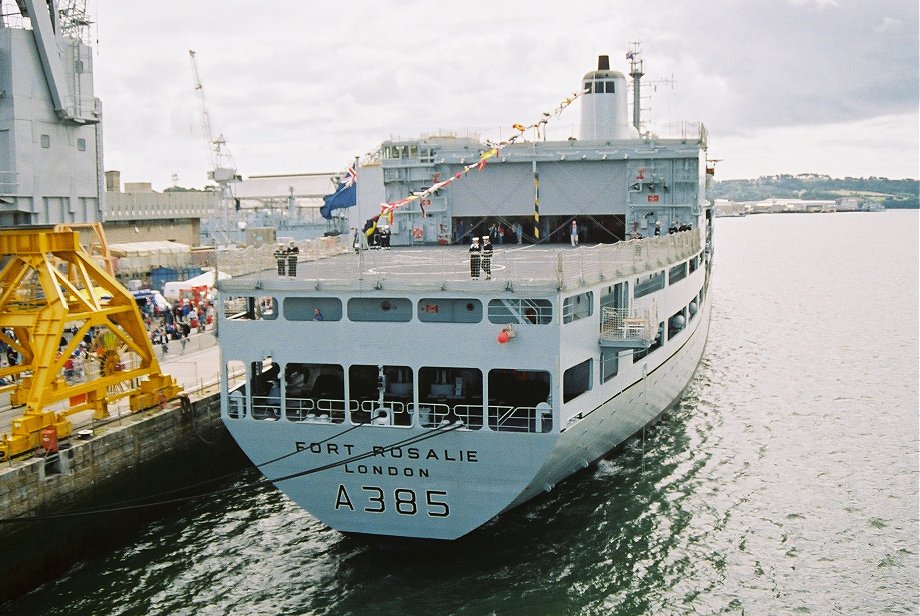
(223, 169)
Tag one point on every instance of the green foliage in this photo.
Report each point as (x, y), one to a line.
(890, 193)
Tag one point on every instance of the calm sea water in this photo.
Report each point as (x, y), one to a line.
(785, 482)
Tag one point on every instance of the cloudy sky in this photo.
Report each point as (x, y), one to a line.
(783, 86)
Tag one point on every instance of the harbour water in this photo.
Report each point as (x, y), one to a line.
(786, 481)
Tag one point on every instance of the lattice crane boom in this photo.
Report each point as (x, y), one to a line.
(223, 169)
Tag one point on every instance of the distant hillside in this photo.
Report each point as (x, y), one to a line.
(890, 193)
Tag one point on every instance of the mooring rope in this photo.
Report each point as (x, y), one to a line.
(124, 506)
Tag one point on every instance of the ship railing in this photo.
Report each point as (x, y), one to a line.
(520, 418)
(593, 264)
(386, 413)
(236, 403)
(435, 414)
(329, 264)
(266, 407)
(315, 410)
(630, 325)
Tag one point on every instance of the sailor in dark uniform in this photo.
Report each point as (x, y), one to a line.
(487, 256)
(475, 253)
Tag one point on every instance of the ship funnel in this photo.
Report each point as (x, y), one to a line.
(604, 107)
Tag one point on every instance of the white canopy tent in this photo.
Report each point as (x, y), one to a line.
(171, 290)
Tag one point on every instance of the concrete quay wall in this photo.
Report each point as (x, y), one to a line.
(44, 485)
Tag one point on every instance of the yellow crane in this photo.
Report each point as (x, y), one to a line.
(50, 285)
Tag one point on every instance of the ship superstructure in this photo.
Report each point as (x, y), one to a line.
(423, 390)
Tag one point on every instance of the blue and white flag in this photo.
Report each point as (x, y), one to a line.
(346, 195)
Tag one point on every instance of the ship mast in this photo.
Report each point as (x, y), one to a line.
(635, 71)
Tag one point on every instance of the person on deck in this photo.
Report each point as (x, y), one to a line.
(487, 257)
(475, 254)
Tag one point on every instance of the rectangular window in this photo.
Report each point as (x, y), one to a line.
(577, 307)
(450, 393)
(265, 388)
(520, 311)
(676, 323)
(678, 272)
(519, 401)
(45, 141)
(81, 144)
(368, 384)
(610, 363)
(250, 308)
(616, 297)
(312, 309)
(384, 309)
(649, 284)
(236, 388)
(576, 380)
(456, 310)
(611, 87)
(314, 393)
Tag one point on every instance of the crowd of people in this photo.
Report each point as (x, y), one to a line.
(177, 323)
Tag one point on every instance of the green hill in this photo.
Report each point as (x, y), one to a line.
(890, 193)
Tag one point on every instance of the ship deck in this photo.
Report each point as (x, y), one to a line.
(329, 264)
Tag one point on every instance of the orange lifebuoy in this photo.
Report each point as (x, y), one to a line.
(417, 233)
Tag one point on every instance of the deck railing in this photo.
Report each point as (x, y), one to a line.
(498, 418)
(331, 264)
(632, 325)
